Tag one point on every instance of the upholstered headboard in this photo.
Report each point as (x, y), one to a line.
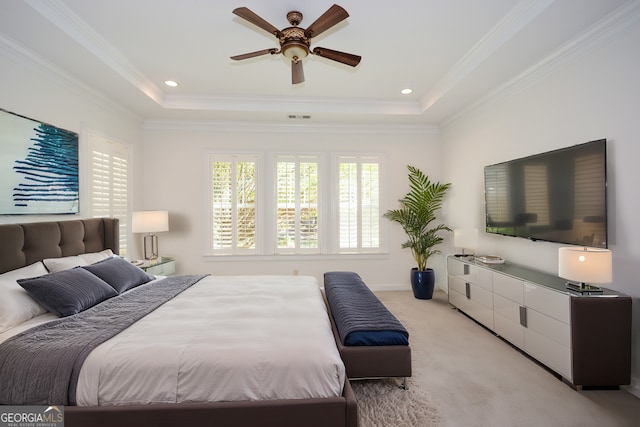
(24, 244)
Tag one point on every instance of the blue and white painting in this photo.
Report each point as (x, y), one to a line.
(38, 167)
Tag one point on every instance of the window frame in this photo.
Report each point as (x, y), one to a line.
(225, 156)
(335, 174)
(272, 208)
(266, 201)
(112, 148)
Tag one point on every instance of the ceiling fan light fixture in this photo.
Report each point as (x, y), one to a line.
(295, 51)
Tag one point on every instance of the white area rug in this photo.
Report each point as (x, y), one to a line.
(382, 403)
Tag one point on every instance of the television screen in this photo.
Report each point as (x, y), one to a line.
(38, 167)
(558, 196)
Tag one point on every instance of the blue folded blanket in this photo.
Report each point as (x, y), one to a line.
(360, 317)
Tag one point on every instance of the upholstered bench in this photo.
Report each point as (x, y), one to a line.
(371, 340)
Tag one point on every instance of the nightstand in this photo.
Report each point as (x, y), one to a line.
(165, 266)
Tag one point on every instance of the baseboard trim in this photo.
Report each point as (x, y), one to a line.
(389, 287)
(398, 287)
(633, 390)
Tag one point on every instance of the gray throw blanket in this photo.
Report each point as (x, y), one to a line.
(41, 366)
(355, 308)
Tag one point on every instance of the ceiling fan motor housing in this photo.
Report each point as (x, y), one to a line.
(294, 44)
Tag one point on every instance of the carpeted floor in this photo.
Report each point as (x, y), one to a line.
(466, 376)
(384, 403)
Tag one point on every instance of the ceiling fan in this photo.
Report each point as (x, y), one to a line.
(295, 42)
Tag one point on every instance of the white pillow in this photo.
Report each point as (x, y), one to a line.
(65, 263)
(16, 306)
(94, 257)
(68, 262)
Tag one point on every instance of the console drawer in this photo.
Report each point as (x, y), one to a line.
(546, 301)
(509, 287)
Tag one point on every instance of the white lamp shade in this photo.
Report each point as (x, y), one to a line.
(585, 265)
(465, 238)
(150, 221)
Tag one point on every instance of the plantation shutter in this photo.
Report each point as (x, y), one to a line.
(358, 204)
(297, 210)
(109, 183)
(234, 207)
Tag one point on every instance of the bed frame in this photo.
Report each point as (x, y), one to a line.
(24, 244)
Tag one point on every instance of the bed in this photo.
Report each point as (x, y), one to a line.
(260, 389)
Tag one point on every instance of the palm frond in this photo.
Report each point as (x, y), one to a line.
(417, 211)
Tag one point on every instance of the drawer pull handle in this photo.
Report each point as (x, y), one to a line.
(466, 269)
(467, 290)
(523, 316)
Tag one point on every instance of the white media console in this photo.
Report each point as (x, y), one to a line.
(585, 338)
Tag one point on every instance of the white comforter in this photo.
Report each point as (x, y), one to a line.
(226, 338)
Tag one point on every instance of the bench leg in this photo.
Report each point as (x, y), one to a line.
(404, 385)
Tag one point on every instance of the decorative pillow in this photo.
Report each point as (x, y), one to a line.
(68, 292)
(16, 306)
(119, 273)
(92, 258)
(68, 262)
(64, 263)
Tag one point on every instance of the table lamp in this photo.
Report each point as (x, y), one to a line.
(465, 239)
(583, 266)
(150, 222)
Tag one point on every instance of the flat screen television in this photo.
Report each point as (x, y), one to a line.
(558, 196)
(38, 167)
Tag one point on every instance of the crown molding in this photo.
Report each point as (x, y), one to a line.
(283, 127)
(21, 55)
(517, 19)
(65, 19)
(288, 104)
(603, 30)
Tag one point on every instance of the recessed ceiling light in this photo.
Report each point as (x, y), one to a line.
(406, 91)
(171, 83)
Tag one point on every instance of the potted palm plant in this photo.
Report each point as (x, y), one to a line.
(416, 213)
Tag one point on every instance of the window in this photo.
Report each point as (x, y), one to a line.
(297, 210)
(359, 204)
(109, 182)
(234, 204)
(286, 208)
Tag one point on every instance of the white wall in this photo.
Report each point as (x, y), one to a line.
(595, 96)
(54, 97)
(175, 179)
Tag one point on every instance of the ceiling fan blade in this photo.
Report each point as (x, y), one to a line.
(297, 73)
(334, 55)
(328, 19)
(248, 15)
(253, 54)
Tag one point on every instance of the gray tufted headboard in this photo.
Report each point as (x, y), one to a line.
(24, 244)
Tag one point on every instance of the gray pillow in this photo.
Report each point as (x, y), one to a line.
(119, 273)
(68, 292)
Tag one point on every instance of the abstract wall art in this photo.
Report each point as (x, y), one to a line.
(38, 167)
